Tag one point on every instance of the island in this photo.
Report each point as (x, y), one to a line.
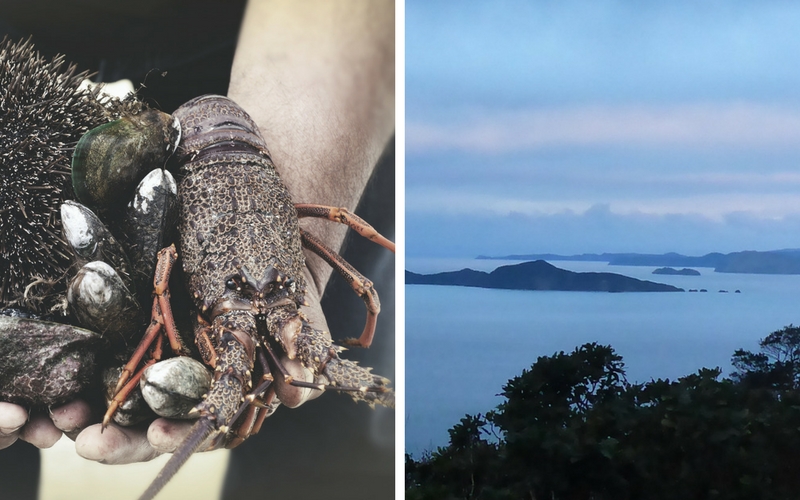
(677, 272)
(786, 261)
(539, 275)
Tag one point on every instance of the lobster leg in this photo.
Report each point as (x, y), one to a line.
(262, 415)
(156, 323)
(256, 408)
(166, 260)
(162, 320)
(344, 216)
(316, 351)
(245, 427)
(122, 393)
(361, 285)
(255, 411)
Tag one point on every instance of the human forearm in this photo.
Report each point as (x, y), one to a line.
(318, 79)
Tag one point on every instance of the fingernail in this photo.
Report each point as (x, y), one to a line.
(6, 431)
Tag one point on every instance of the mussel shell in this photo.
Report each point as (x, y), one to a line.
(134, 409)
(111, 159)
(173, 387)
(149, 224)
(91, 241)
(45, 363)
(101, 301)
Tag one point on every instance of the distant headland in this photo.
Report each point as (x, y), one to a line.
(748, 262)
(539, 275)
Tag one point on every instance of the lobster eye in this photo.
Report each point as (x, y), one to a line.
(230, 284)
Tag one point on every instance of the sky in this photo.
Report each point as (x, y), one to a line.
(601, 126)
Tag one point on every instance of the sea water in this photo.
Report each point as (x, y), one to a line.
(463, 344)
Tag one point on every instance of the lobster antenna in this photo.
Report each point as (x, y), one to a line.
(200, 431)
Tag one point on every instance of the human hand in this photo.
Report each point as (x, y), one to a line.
(39, 429)
(310, 165)
(122, 445)
(115, 445)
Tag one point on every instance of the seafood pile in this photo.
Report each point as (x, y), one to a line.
(118, 171)
(239, 272)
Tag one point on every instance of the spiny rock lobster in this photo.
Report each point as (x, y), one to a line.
(241, 254)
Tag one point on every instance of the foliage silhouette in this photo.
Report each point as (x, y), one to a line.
(572, 427)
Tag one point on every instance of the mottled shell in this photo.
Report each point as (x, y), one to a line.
(173, 387)
(110, 160)
(45, 363)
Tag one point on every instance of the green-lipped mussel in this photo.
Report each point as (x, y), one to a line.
(111, 159)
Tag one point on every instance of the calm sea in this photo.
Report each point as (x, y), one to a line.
(463, 344)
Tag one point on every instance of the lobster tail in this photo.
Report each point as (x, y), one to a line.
(197, 436)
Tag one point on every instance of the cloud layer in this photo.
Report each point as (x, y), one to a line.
(709, 125)
(595, 230)
(599, 125)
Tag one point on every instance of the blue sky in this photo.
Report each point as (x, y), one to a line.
(600, 126)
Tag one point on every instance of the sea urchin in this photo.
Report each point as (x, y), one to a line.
(43, 113)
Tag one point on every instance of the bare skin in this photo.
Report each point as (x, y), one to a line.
(318, 79)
